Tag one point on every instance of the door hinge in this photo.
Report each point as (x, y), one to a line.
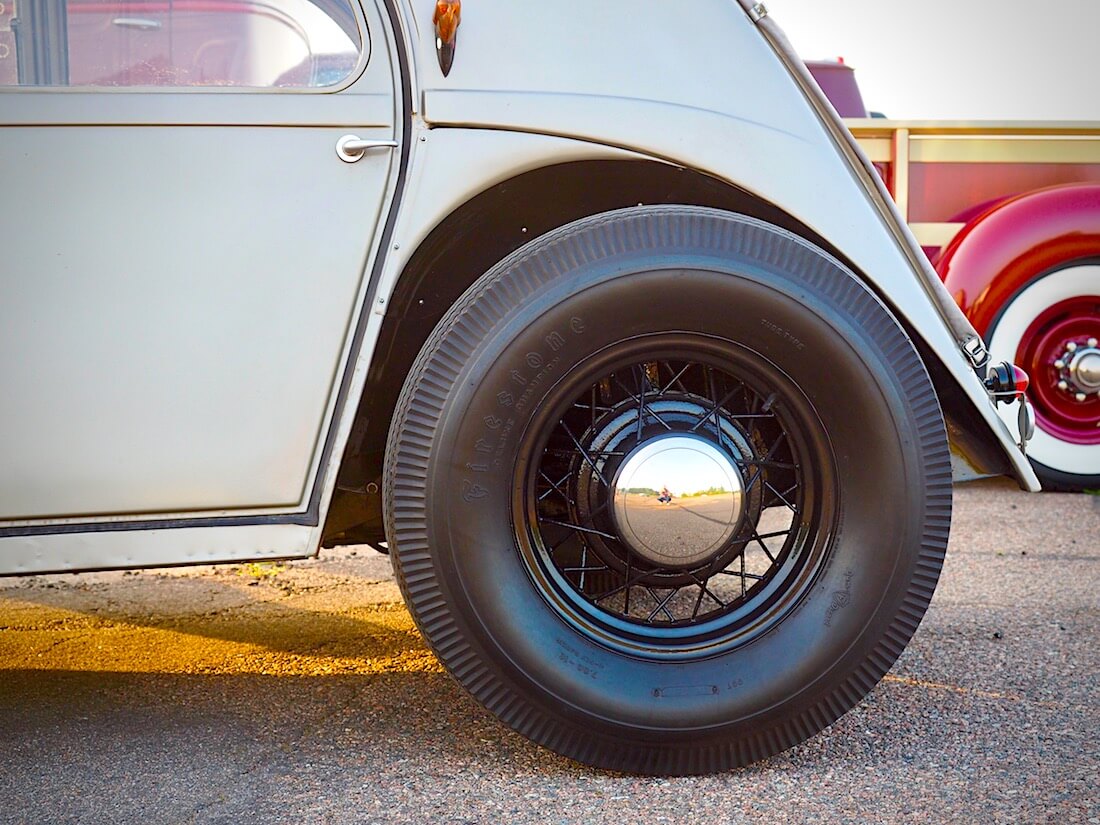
(758, 12)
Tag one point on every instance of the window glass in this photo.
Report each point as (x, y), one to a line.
(242, 43)
(9, 76)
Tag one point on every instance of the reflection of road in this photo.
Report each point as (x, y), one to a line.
(690, 523)
(695, 507)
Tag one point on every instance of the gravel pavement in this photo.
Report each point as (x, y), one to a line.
(303, 693)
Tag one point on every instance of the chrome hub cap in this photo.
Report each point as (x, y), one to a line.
(1078, 369)
(678, 501)
(1084, 369)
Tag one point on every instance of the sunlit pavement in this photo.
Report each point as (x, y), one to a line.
(304, 693)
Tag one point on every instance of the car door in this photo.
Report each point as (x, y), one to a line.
(183, 249)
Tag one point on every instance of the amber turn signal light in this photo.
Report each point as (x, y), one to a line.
(448, 15)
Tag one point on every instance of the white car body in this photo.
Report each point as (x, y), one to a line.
(194, 283)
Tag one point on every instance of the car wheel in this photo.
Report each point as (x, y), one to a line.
(1051, 328)
(752, 602)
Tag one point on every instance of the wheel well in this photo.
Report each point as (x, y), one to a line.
(466, 244)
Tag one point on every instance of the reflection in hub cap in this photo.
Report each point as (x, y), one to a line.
(678, 500)
(1085, 369)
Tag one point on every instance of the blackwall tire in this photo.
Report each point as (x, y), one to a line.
(835, 410)
(1034, 330)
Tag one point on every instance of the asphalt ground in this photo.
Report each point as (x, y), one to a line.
(303, 693)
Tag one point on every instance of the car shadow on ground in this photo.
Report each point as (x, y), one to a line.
(181, 706)
(128, 619)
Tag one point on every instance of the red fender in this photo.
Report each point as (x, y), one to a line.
(1007, 246)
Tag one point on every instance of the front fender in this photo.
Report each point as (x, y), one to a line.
(1002, 250)
(727, 106)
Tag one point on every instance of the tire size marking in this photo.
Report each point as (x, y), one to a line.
(573, 658)
(538, 365)
(782, 333)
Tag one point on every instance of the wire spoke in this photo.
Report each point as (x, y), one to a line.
(662, 605)
(676, 378)
(713, 411)
(579, 529)
(703, 589)
(626, 596)
(746, 575)
(593, 406)
(630, 582)
(759, 540)
(643, 408)
(554, 487)
(584, 453)
(712, 392)
(772, 465)
(781, 497)
(757, 464)
(776, 534)
(698, 603)
(565, 539)
(561, 451)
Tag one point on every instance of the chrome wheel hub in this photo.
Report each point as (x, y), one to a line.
(1085, 369)
(1079, 369)
(678, 500)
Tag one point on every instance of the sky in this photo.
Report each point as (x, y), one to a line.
(958, 59)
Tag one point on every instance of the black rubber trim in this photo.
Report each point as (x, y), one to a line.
(300, 519)
(57, 571)
(380, 258)
(312, 515)
(421, 408)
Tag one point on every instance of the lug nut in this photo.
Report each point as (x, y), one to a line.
(1092, 342)
(1081, 396)
(1059, 364)
(1071, 347)
(1062, 385)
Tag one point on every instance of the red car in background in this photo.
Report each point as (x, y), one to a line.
(1009, 214)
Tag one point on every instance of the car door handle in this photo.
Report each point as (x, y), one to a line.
(139, 23)
(350, 148)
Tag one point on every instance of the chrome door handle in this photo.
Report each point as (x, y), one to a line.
(140, 23)
(350, 148)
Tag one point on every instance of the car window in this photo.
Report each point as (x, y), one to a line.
(181, 43)
(8, 75)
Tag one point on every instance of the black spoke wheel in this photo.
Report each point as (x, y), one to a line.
(759, 532)
(668, 490)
